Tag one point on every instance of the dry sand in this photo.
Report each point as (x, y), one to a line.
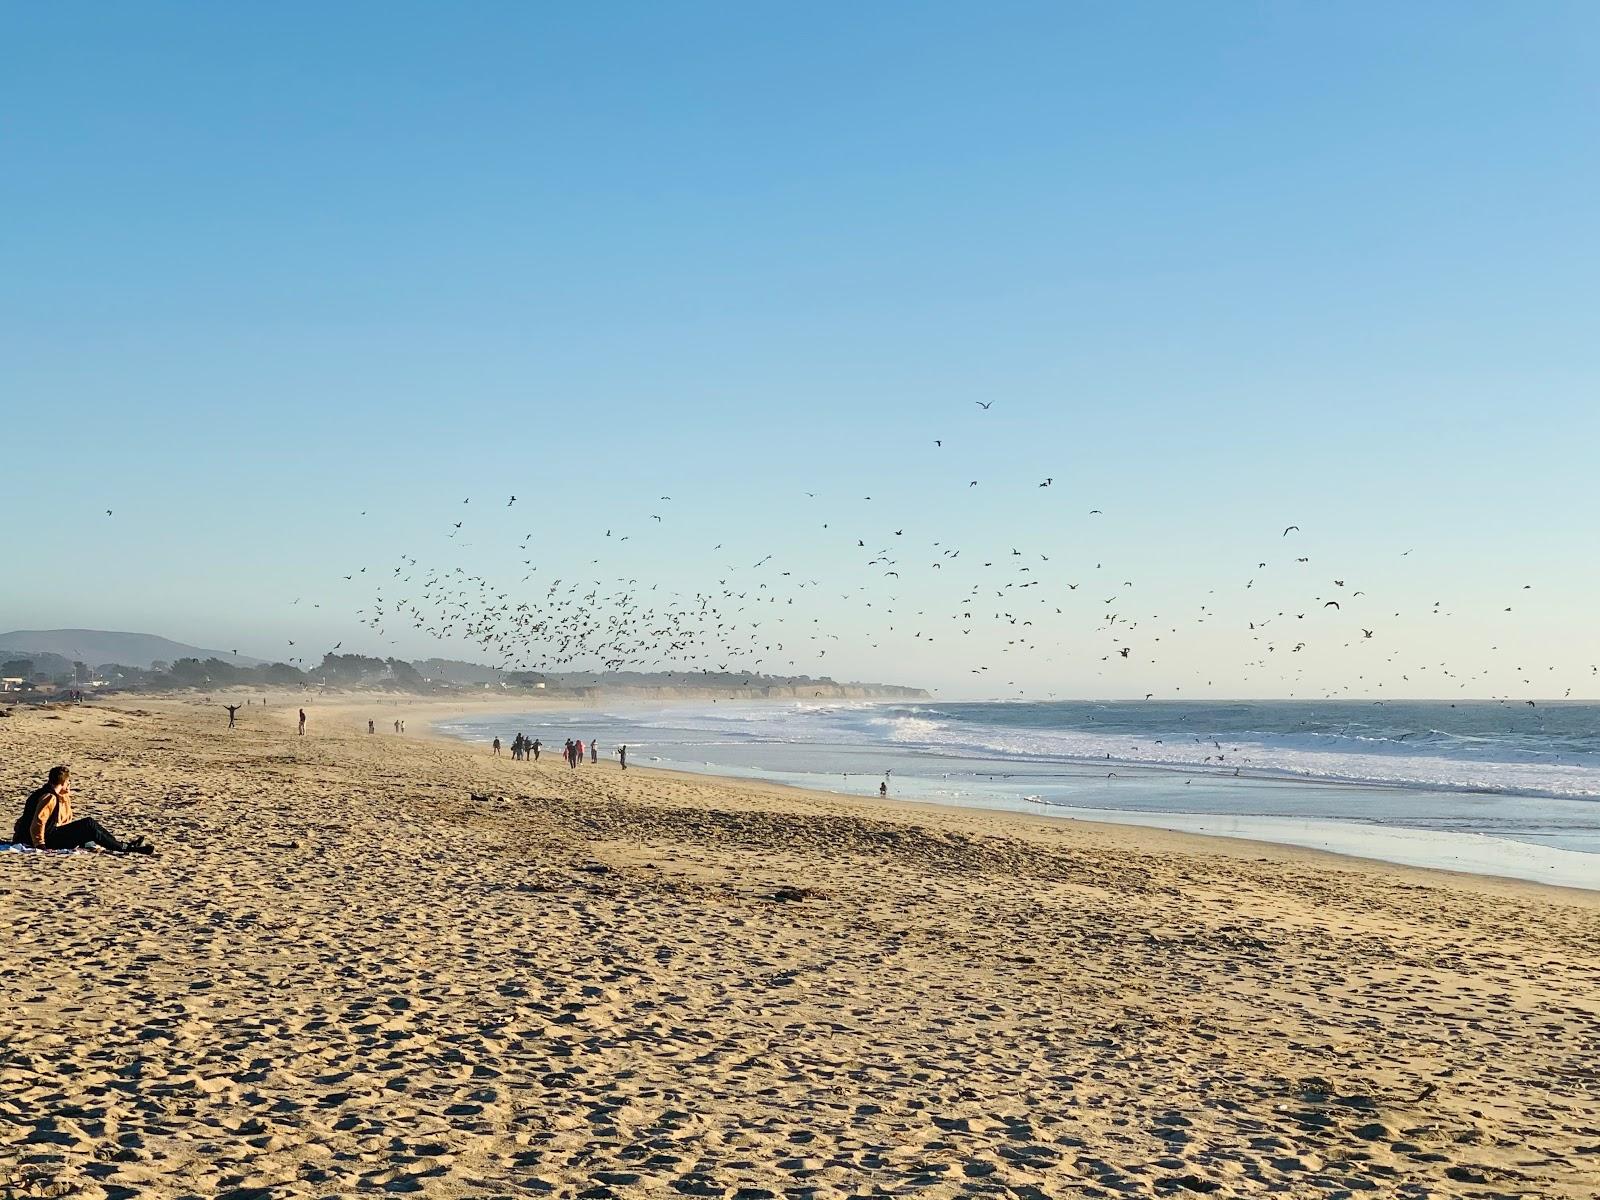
(342, 976)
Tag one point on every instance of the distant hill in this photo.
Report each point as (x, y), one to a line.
(100, 646)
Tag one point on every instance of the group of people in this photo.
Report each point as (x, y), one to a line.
(526, 749)
(574, 752)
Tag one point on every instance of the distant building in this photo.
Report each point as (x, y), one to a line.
(14, 683)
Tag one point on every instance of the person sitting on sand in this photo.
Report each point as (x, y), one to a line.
(46, 822)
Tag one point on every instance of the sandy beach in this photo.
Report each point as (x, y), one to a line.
(343, 974)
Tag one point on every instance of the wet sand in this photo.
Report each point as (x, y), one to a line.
(343, 974)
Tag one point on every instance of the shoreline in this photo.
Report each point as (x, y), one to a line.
(1352, 833)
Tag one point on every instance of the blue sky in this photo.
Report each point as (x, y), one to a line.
(1218, 268)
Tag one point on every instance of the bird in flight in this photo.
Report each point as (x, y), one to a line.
(982, 405)
(511, 501)
(1286, 530)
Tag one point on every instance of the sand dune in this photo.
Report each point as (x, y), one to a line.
(343, 976)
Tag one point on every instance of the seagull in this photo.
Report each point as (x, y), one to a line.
(982, 405)
(511, 501)
(1287, 528)
(108, 512)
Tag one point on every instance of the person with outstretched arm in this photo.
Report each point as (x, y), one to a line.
(47, 823)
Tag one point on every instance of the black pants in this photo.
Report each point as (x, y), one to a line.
(81, 833)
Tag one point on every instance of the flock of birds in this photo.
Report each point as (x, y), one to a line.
(892, 589)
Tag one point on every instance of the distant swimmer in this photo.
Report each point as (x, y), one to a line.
(883, 790)
(233, 710)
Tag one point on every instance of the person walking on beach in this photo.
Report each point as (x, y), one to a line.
(46, 822)
(302, 722)
(536, 744)
(497, 747)
(622, 755)
(577, 752)
(233, 710)
(594, 751)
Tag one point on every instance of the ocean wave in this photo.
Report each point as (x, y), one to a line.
(1485, 752)
(1312, 756)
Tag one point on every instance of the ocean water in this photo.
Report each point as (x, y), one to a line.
(1498, 788)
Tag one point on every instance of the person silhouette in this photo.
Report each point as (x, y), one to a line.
(233, 710)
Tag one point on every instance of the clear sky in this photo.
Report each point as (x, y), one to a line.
(1218, 268)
